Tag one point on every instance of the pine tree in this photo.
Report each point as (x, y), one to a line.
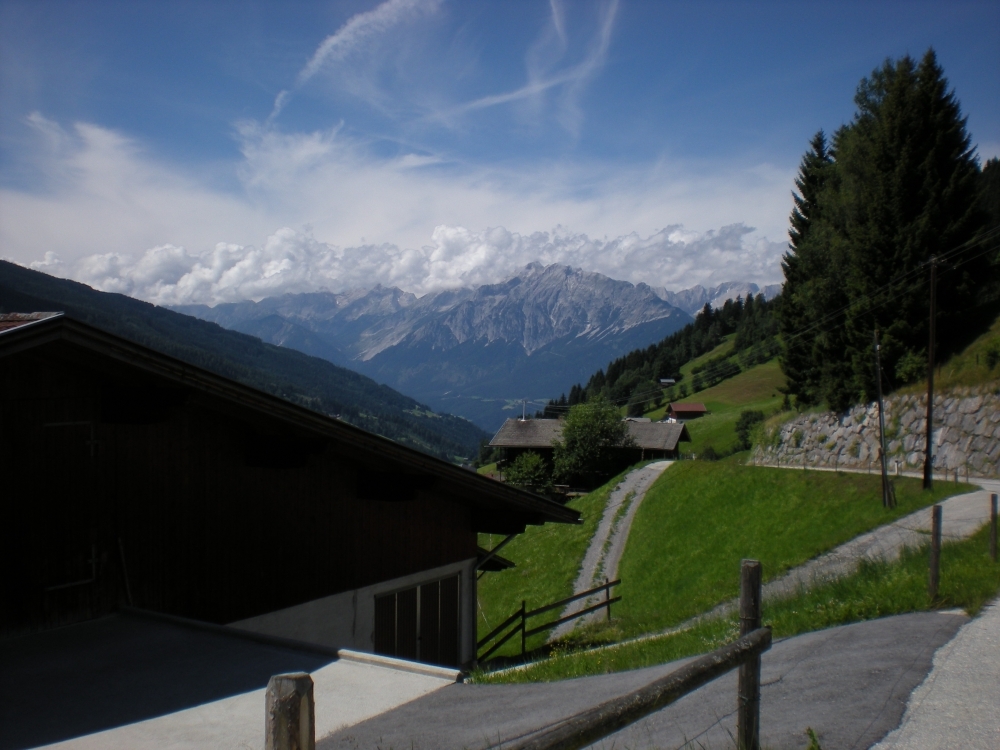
(798, 358)
(910, 183)
(896, 187)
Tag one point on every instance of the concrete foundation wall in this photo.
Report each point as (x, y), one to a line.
(347, 620)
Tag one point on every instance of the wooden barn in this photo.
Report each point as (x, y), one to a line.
(133, 479)
(650, 439)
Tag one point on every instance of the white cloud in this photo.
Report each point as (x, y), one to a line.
(358, 29)
(290, 261)
(546, 70)
(110, 214)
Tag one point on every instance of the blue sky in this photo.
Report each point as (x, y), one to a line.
(200, 151)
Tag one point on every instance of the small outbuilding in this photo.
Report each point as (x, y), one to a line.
(682, 412)
(133, 479)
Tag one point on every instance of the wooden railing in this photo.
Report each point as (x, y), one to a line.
(588, 727)
(520, 618)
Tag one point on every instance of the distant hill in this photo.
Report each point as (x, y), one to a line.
(474, 352)
(293, 375)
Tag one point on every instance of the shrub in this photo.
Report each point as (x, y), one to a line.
(748, 419)
(529, 470)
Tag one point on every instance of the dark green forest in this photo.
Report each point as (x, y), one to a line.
(634, 379)
(896, 190)
(308, 381)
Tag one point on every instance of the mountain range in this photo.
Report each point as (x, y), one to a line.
(475, 352)
(306, 380)
(694, 299)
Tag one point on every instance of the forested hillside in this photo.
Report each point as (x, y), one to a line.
(635, 378)
(308, 381)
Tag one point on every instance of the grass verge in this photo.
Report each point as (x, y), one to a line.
(700, 519)
(969, 579)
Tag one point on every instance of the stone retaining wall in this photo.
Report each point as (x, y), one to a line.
(966, 435)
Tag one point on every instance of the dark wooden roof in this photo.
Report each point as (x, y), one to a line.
(658, 436)
(398, 465)
(691, 408)
(528, 433)
(540, 433)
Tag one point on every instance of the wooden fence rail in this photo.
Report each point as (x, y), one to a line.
(588, 727)
(522, 616)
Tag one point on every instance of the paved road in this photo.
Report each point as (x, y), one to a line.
(850, 684)
(958, 704)
(605, 551)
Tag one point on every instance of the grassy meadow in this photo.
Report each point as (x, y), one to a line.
(968, 580)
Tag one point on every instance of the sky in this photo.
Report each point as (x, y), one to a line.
(201, 152)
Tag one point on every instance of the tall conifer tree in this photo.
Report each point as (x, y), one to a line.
(900, 186)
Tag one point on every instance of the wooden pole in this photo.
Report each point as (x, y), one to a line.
(886, 497)
(928, 471)
(748, 693)
(993, 527)
(935, 562)
(290, 721)
(607, 597)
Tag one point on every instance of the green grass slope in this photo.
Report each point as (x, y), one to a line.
(548, 560)
(308, 381)
(971, 366)
(756, 388)
(969, 578)
(700, 519)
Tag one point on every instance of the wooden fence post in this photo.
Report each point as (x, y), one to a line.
(748, 693)
(993, 527)
(607, 597)
(290, 721)
(935, 562)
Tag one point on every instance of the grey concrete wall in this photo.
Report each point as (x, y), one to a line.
(347, 620)
(965, 435)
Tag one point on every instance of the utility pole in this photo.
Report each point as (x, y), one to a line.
(888, 499)
(524, 416)
(928, 471)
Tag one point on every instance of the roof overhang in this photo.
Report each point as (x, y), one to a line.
(496, 507)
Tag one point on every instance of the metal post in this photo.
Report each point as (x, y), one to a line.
(928, 475)
(935, 562)
(290, 719)
(748, 693)
(993, 527)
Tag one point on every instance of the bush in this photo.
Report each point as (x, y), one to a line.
(744, 426)
(529, 470)
(910, 368)
(709, 454)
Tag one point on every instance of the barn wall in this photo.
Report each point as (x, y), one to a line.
(346, 620)
(191, 509)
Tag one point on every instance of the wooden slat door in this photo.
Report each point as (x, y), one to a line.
(420, 623)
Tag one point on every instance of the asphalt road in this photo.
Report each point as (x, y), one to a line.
(850, 684)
